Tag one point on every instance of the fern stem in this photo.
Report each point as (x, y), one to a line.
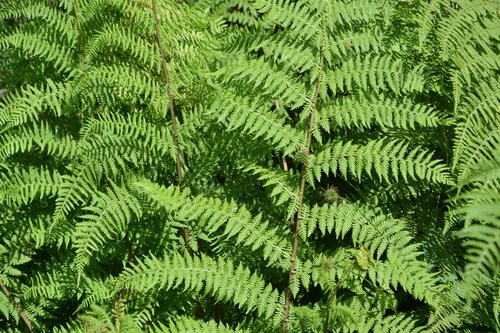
(301, 200)
(166, 79)
(16, 306)
(333, 296)
(121, 298)
(292, 219)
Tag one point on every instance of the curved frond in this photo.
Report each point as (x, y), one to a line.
(106, 218)
(390, 161)
(223, 279)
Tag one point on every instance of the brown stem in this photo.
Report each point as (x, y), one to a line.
(16, 306)
(166, 79)
(301, 201)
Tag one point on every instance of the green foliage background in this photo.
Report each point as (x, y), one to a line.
(339, 154)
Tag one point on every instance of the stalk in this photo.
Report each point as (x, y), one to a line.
(122, 296)
(332, 298)
(301, 200)
(16, 306)
(166, 80)
(292, 219)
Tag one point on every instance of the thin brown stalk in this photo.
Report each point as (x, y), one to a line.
(166, 79)
(301, 201)
(292, 219)
(16, 306)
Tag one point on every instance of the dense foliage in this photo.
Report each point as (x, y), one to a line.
(250, 166)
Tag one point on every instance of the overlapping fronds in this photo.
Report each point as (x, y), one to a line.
(187, 324)
(212, 215)
(106, 218)
(223, 279)
(377, 232)
(230, 166)
(481, 204)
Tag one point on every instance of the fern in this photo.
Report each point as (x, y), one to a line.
(260, 124)
(237, 166)
(107, 216)
(23, 186)
(186, 324)
(362, 112)
(222, 279)
(213, 214)
(388, 161)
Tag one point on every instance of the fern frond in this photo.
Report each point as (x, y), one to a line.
(75, 188)
(368, 100)
(398, 323)
(237, 112)
(281, 186)
(237, 12)
(480, 203)
(388, 160)
(404, 269)
(480, 148)
(97, 291)
(52, 285)
(457, 30)
(63, 24)
(217, 277)
(23, 186)
(296, 16)
(106, 85)
(106, 218)
(375, 231)
(114, 38)
(187, 324)
(376, 72)
(7, 309)
(291, 54)
(213, 214)
(340, 13)
(469, 66)
(99, 319)
(112, 140)
(359, 315)
(479, 114)
(261, 74)
(28, 103)
(306, 319)
(351, 42)
(482, 243)
(36, 45)
(363, 111)
(39, 138)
